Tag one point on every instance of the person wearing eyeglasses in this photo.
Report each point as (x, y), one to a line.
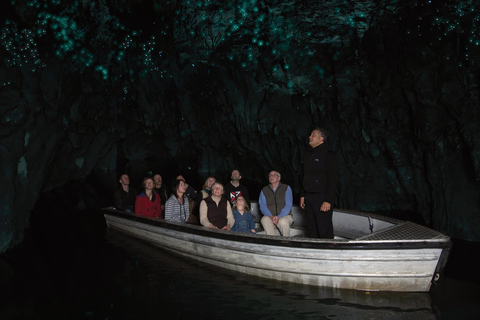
(275, 203)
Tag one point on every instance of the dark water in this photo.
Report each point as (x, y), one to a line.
(118, 277)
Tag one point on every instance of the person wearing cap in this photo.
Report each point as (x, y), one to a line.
(275, 203)
(320, 177)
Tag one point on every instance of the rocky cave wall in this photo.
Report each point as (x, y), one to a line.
(216, 85)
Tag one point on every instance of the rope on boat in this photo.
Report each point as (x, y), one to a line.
(370, 225)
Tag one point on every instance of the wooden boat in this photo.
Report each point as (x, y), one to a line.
(370, 252)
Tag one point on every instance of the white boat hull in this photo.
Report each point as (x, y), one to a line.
(370, 265)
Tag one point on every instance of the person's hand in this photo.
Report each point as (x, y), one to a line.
(302, 202)
(227, 227)
(212, 226)
(275, 220)
(325, 207)
(253, 231)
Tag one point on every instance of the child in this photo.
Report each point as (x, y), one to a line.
(244, 221)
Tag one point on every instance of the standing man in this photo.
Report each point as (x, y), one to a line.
(320, 179)
(124, 197)
(275, 203)
(235, 189)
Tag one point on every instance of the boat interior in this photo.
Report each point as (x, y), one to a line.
(353, 225)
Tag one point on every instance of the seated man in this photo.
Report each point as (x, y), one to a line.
(124, 197)
(235, 189)
(275, 203)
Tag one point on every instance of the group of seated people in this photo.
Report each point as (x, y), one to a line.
(215, 206)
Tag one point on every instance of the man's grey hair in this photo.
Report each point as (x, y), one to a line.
(278, 173)
(323, 132)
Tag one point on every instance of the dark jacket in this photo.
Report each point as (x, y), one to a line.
(124, 200)
(320, 172)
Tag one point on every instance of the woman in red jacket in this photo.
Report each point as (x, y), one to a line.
(147, 202)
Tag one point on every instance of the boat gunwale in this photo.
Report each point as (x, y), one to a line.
(307, 243)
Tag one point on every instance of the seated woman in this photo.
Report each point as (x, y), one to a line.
(207, 187)
(147, 202)
(244, 221)
(176, 207)
(215, 211)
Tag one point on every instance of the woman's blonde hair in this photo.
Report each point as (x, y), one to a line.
(205, 184)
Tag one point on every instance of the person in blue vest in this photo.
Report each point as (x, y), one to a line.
(275, 203)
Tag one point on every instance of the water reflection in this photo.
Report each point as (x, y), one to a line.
(119, 277)
(160, 282)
